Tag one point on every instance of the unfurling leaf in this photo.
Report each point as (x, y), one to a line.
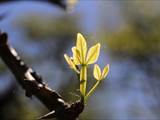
(98, 75)
(70, 63)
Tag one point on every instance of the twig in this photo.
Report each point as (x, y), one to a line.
(33, 84)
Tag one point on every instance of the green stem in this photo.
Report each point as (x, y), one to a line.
(92, 90)
(83, 80)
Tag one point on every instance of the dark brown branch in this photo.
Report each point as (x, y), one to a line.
(60, 3)
(33, 84)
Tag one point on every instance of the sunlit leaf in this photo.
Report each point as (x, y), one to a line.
(93, 54)
(70, 63)
(76, 56)
(105, 71)
(81, 46)
(97, 72)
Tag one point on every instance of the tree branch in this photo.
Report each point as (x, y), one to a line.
(33, 84)
(60, 3)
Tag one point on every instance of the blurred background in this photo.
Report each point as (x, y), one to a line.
(129, 32)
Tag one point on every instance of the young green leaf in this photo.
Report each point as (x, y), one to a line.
(81, 46)
(97, 72)
(70, 63)
(105, 71)
(93, 54)
(76, 56)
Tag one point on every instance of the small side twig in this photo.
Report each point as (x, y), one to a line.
(33, 84)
